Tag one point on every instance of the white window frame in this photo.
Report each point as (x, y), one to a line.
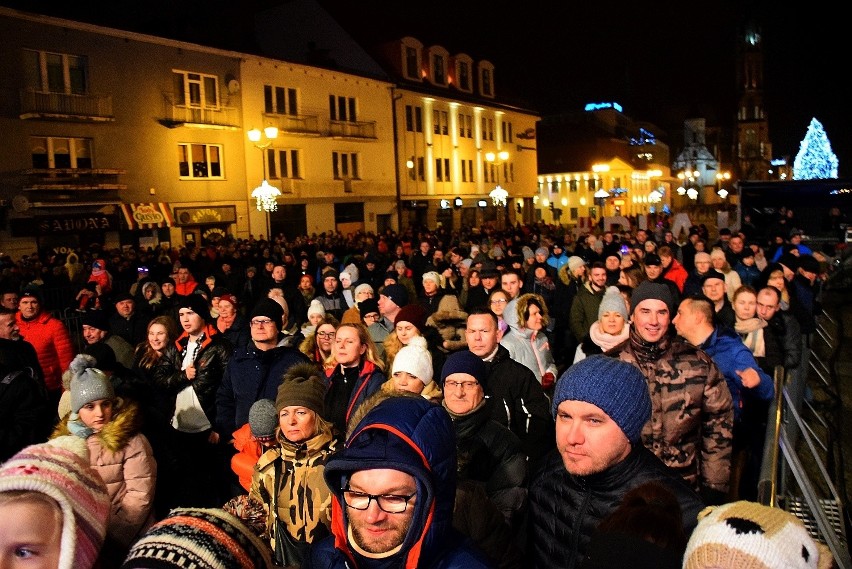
(185, 150)
(198, 90)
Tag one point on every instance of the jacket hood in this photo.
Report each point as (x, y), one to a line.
(414, 436)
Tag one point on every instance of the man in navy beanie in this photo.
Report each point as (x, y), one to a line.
(600, 405)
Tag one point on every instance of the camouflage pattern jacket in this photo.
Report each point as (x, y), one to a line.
(692, 418)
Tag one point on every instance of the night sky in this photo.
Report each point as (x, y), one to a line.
(663, 61)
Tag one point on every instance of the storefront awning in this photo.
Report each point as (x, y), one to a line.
(147, 215)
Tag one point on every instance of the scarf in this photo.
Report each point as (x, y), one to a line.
(751, 332)
(605, 340)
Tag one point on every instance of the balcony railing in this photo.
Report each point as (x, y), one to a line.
(75, 179)
(223, 118)
(352, 129)
(294, 124)
(65, 106)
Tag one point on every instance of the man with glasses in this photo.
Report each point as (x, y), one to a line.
(394, 488)
(254, 371)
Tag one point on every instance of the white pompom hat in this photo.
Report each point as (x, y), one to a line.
(415, 359)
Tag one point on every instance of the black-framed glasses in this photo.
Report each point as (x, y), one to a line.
(326, 334)
(390, 503)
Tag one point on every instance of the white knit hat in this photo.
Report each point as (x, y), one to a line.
(612, 301)
(362, 287)
(575, 262)
(415, 359)
(316, 307)
(352, 269)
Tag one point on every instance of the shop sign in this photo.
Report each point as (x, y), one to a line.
(211, 215)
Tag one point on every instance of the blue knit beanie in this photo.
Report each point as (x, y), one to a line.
(464, 361)
(617, 387)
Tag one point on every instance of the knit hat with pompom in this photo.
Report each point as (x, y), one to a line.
(88, 383)
(415, 359)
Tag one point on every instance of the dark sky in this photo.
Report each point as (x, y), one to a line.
(663, 61)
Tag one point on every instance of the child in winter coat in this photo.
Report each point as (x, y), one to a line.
(118, 451)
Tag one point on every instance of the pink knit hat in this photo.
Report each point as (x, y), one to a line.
(60, 469)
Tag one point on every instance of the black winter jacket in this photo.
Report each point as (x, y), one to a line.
(516, 400)
(565, 509)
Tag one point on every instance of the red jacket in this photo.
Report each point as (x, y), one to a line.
(52, 344)
(677, 274)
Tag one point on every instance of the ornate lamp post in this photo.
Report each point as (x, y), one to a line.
(499, 196)
(265, 195)
(721, 178)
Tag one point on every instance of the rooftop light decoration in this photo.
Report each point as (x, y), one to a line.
(499, 196)
(266, 197)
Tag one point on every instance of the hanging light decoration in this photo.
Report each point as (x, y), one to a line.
(681, 191)
(601, 194)
(655, 196)
(692, 193)
(266, 197)
(723, 193)
(498, 196)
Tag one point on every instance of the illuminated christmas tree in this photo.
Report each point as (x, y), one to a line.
(815, 159)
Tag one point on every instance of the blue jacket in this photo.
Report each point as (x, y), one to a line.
(415, 436)
(251, 374)
(730, 354)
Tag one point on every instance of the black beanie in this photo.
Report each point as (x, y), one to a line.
(196, 303)
(654, 291)
(269, 308)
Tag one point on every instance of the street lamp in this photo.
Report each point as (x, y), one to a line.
(265, 195)
(721, 178)
(689, 179)
(499, 196)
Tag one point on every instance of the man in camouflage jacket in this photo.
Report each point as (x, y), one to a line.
(691, 426)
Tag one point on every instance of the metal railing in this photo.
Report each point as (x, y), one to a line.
(803, 459)
(45, 103)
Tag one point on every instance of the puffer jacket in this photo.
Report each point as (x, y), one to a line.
(303, 501)
(565, 510)
(531, 348)
(210, 363)
(123, 458)
(691, 426)
(52, 344)
(418, 434)
(354, 385)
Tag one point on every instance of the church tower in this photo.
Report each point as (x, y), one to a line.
(753, 149)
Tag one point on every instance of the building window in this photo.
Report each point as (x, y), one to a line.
(56, 72)
(467, 171)
(487, 89)
(421, 168)
(554, 187)
(283, 163)
(413, 118)
(345, 165)
(200, 161)
(441, 119)
(442, 169)
(574, 213)
(487, 129)
(342, 108)
(280, 100)
(593, 185)
(196, 90)
(464, 76)
(572, 185)
(411, 63)
(507, 131)
(465, 126)
(439, 69)
(50, 152)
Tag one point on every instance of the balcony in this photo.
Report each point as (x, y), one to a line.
(72, 179)
(304, 125)
(65, 106)
(352, 129)
(198, 116)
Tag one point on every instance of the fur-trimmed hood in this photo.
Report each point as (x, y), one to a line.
(450, 321)
(125, 424)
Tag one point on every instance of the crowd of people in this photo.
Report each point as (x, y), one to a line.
(429, 399)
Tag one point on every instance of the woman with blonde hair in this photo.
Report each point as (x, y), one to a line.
(732, 278)
(410, 323)
(353, 372)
